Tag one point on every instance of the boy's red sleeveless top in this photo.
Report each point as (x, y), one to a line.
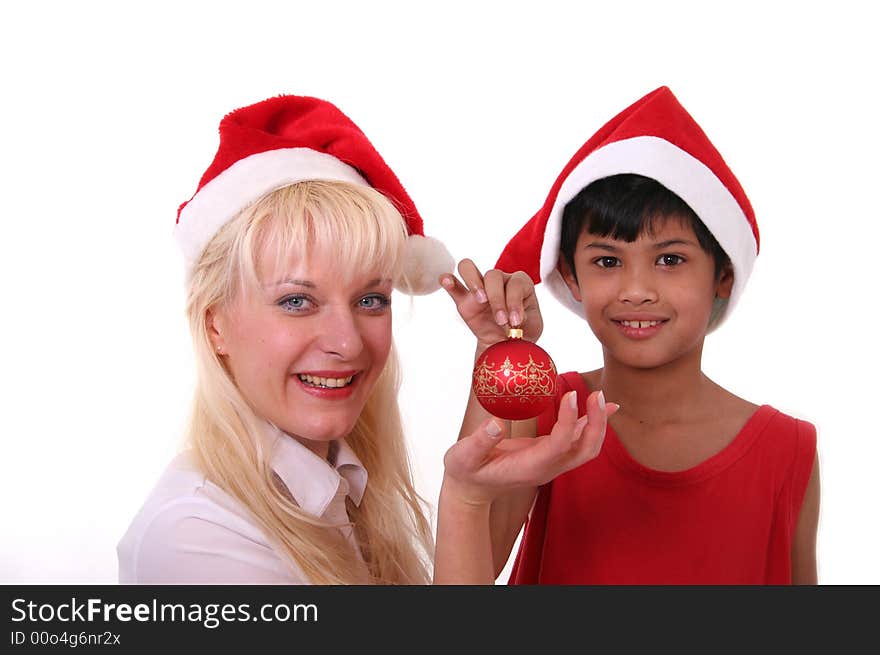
(729, 520)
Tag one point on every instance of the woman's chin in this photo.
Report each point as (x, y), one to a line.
(321, 433)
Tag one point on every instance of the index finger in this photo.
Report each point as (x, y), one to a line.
(473, 279)
(519, 287)
(457, 291)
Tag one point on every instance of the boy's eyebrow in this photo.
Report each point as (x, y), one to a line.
(658, 246)
(601, 244)
(674, 242)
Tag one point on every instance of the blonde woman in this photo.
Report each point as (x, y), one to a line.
(297, 470)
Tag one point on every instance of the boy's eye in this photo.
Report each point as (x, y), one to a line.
(607, 262)
(374, 301)
(670, 260)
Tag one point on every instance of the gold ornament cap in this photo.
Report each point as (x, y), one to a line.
(514, 333)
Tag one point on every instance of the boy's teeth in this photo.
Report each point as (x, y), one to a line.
(330, 383)
(640, 324)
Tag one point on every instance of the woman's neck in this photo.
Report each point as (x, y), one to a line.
(320, 448)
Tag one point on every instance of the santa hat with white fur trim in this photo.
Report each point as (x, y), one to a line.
(290, 139)
(657, 138)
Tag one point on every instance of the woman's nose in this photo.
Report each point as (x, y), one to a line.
(340, 334)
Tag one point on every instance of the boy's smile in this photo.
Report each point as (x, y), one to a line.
(639, 325)
(648, 301)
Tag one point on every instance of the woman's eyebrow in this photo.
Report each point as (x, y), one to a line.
(311, 285)
(297, 283)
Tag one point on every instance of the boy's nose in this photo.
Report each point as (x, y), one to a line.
(340, 335)
(637, 289)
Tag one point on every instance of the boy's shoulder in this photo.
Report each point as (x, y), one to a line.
(742, 410)
(772, 433)
(727, 417)
(730, 408)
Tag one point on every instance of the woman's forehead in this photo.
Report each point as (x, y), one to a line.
(320, 266)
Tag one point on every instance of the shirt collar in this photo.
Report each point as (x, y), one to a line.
(314, 482)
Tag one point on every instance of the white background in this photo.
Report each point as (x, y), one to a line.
(109, 116)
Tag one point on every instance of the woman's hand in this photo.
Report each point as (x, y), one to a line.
(493, 302)
(485, 465)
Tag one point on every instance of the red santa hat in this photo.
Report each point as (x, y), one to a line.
(290, 139)
(657, 138)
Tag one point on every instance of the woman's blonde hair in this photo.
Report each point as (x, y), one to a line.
(361, 228)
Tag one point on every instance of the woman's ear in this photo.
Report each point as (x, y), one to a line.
(214, 321)
(725, 282)
(569, 278)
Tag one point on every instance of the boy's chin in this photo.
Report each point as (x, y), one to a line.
(643, 363)
(645, 356)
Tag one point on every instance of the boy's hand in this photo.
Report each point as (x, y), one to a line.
(494, 302)
(485, 465)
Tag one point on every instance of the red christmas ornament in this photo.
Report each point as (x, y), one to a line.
(515, 379)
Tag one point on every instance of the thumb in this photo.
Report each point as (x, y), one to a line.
(473, 449)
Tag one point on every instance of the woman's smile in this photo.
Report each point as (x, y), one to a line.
(329, 385)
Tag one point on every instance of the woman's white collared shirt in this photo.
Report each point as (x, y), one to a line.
(189, 531)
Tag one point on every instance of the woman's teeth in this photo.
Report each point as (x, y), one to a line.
(640, 324)
(328, 383)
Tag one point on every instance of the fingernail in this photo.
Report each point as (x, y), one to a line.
(601, 399)
(501, 317)
(481, 296)
(572, 399)
(446, 282)
(514, 318)
(612, 408)
(493, 429)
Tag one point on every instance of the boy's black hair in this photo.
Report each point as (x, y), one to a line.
(623, 207)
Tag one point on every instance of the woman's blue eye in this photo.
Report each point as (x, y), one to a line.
(294, 303)
(670, 260)
(374, 302)
(607, 262)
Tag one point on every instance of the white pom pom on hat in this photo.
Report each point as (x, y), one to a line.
(289, 139)
(426, 259)
(655, 137)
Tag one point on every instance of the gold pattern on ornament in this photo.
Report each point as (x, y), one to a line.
(524, 380)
